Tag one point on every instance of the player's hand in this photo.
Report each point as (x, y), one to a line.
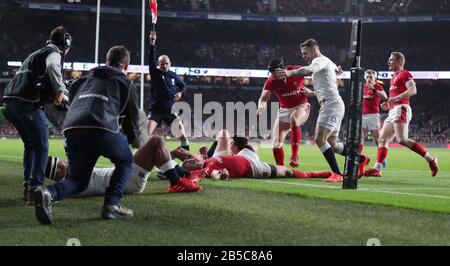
(59, 98)
(385, 106)
(177, 96)
(261, 107)
(224, 175)
(339, 71)
(392, 100)
(371, 87)
(282, 73)
(153, 37)
(307, 92)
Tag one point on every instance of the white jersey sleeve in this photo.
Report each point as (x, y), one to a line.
(324, 78)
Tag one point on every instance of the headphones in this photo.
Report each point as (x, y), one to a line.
(64, 41)
(67, 40)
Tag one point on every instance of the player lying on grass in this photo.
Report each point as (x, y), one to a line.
(235, 158)
(153, 153)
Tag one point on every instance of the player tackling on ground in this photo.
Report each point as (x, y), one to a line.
(293, 112)
(332, 109)
(396, 124)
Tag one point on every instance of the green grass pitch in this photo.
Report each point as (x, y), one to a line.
(405, 207)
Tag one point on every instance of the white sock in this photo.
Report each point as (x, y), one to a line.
(378, 166)
(325, 147)
(428, 157)
(167, 166)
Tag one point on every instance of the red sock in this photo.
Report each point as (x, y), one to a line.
(278, 153)
(323, 174)
(361, 147)
(299, 174)
(419, 148)
(296, 136)
(382, 154)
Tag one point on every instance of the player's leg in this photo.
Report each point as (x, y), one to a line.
(283, 171)
(177, 129)
(152, 125)
(28, 153)
(364, 132)
(321, 138)
(223, 143)
(297, 119)
(401, 134)
(376, 136)
(387, 134)
(279, 133)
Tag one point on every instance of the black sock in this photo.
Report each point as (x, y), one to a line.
(172, 175)
(331, 159)
(182, 171)
(212, 149)
(186, 147)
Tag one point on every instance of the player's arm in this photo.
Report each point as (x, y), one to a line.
(53, 69)
(262, 102)
(180, 88)
(307, 92)
(380, 93)
(314, 67)
(152, 53)
(411, 90)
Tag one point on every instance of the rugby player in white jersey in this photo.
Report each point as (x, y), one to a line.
(153, 153)
(332, 109)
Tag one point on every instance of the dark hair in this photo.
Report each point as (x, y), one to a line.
(118, 56)
(274, 64)
(310, 43)
(240, 142)
(58, 37)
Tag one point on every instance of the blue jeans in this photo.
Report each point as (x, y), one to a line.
(32, 125)
(83, 148)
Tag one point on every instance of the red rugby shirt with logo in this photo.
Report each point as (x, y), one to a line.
(288, 92)
(371, 101)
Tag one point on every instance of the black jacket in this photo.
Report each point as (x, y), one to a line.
(105, 99)
(31, 81)
(164, 85)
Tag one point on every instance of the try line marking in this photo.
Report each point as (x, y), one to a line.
(362, 189)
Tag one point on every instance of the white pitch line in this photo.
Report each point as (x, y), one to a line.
(360, 189)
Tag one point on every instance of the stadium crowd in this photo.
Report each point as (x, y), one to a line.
(430, 122)
(195, 43)
(288, 7)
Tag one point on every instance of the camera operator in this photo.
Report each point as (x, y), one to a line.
(39, 80)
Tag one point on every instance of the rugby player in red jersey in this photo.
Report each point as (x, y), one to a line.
(402, 87)
(373, 95)
(236, 158)
(293, 112)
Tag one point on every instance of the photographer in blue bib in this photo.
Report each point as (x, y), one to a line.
(38, 81)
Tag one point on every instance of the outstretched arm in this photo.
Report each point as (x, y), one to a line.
(152, 53)
(262, 102)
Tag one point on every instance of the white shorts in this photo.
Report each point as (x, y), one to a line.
(101, 176)
(284, 114)
(331, 113)
(400, 114)
(259, 169)
(371, 121)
